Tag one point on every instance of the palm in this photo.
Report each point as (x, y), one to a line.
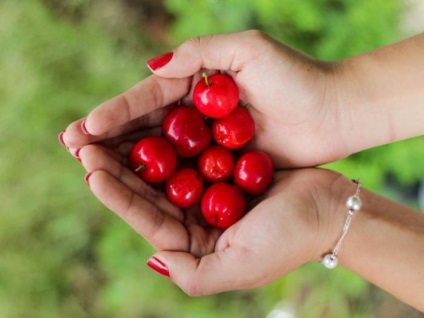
(149, 213)
(143, 207)
(283, 223)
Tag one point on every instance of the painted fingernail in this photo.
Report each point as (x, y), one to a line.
(84, 128)
(158, 266)
(87, 178)
(77, 154)
(160, 61)
(60, 137)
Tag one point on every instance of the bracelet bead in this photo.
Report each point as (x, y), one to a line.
(330, 261)
(354, 204)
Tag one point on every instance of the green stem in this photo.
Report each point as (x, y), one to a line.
(140, 167)
(205, 76)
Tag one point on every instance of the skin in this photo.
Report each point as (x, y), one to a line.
(307, 112)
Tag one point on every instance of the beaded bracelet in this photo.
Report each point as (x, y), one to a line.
(354, 204)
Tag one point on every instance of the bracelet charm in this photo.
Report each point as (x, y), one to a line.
(354, 204)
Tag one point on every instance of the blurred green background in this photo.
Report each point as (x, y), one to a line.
(62, 254)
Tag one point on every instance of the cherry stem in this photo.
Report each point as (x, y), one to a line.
(140, 167)
(205, 76)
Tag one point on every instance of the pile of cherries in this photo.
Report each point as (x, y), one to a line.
(216, 178)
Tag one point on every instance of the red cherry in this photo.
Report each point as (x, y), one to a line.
(222, 205)
(235, 130)
(185, 128)
(216, 96)
(184, 188)
(216, 164)
(153, 158)
(253, 172)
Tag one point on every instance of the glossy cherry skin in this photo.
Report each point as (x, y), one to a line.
(185, 128)
(234, 130)
(153, 158)
(184, 188)
(216, 95)
(222, 205)
(216, 164)
(253, 172)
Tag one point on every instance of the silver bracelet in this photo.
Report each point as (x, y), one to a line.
(354, 204)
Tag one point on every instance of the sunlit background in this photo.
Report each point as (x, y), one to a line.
(62, 254)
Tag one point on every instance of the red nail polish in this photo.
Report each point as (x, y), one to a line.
(87, 178)
(61, 138)
(158, 266)
(159, 61)
(77, 154)
(84, 128)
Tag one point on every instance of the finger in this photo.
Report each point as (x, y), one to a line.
(95, 157)
(123, 144)
(145, 97)
(231, 269)
(229, 52)
(161, 230)
(75, 137)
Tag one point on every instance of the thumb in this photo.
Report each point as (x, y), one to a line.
(225, 270)
(228, 52)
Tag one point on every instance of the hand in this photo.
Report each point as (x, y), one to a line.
(292, 98)
(286, 229)
(307, 113)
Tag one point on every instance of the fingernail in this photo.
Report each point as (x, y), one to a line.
(77, 154)
(158, 266)
(60, 137)
(87, 178)
(84, 128)
(159, 61)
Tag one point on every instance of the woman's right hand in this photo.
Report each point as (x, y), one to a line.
(292, 97)
(307, 112)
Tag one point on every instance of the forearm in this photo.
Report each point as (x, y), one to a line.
(385, 245)
(385, 93)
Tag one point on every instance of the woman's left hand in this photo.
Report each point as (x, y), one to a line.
(280, 233)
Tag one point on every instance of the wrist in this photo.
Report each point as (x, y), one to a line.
(382, 89)
(333, 214)
(384, 243)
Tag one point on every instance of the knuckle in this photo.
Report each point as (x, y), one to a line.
(194, 41)
(125, 101)
(156, 92)
(158, 219)
(128, 211)
(201, 46)
(257, 35)
(199, 43)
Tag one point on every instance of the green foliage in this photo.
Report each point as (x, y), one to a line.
(329, 29)
(52, 72)
(61, 253)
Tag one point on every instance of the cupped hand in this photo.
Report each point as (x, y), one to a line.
(294, 99)
(283, 230)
